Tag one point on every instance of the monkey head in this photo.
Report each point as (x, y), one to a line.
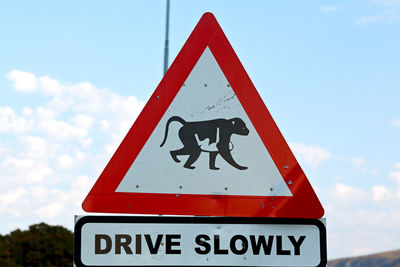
(239, 127)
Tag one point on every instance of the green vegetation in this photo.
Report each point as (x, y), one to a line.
(41, 245)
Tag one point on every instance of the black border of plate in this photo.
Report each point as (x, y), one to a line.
(193, 220)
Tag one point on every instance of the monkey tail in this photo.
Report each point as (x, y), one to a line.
(173, 118)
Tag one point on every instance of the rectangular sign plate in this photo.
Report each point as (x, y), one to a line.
(198, 241)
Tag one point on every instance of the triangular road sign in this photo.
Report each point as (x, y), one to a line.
(205, 144)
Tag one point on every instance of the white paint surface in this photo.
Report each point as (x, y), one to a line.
(206, 95)
(309, 250)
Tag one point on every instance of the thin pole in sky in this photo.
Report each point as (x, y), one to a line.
(166, 40)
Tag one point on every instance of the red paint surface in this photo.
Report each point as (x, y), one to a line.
(303, 204)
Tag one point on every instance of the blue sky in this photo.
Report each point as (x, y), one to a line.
(74, 75)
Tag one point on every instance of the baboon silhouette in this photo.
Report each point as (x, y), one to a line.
(193, 136)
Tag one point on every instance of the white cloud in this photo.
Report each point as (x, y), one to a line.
(345, 193)
(66, 161)
(385, 195)
(23, 81)
(351, 211)
(364, 230)
(82, 183)
(357, 161)
(389, 3)
(35, 147)
(50, 86)
(365, 20)
(395, 175)
(357, 215)
(46, 121)
(12, 196)
(71, 111)
(27, 111)
(380, 11)
(329, 8)
(313, 155)
(79, 98)
(381, 194)
(50, 210)
(360, 166)
(104, 125)
(24, 171)
(10, 122)
(82, 121)
(396, 123)
(52, 153)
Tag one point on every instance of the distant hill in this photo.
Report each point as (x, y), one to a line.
(385, 259)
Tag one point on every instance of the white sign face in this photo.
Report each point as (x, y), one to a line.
(205, 112)
(198, 241)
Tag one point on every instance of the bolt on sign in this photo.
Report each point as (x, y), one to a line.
(206, 145)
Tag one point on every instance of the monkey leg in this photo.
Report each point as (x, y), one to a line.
(227, 156)
(213, 156)
(173, 155)
(192, 158)
(180, 152)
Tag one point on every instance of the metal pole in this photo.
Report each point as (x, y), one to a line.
(166, 40)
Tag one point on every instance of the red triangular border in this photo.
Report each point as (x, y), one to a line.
(303, 204)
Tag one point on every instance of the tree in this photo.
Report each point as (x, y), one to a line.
(41, 245)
